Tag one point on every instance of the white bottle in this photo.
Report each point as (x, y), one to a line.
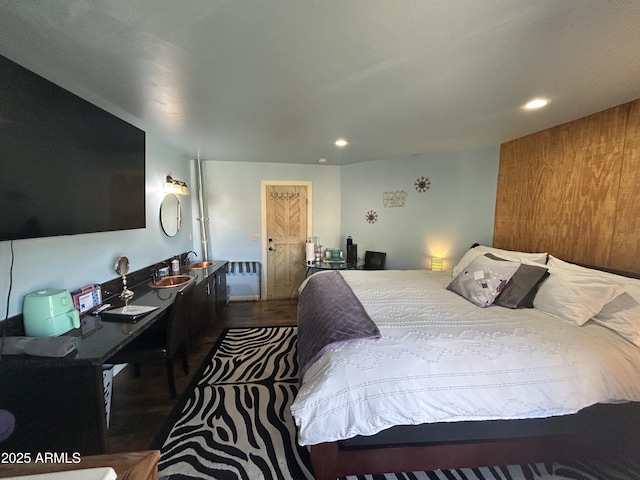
(175, 266)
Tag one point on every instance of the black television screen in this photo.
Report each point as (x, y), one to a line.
(66, 166)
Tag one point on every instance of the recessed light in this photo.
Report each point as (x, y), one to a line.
(536, 103)
(322, 160)
(341, 142)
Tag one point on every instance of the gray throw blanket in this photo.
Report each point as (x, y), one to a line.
(329, 313)
(40, 346)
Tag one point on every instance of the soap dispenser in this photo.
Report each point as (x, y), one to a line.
(175, 266)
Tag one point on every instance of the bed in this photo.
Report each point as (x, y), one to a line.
(401, 372)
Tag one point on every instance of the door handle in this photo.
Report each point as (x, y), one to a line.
(272, 249)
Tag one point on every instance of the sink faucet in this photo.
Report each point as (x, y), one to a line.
(155, 275)
(186, 257)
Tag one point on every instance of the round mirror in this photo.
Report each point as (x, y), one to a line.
(170, 215)
(122, 266)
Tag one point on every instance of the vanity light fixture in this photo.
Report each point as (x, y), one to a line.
(175, 186)
(436, 263)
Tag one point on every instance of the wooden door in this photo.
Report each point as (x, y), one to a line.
(286, 229)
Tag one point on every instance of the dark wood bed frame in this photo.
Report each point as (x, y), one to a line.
(600, 430)
(330, 462)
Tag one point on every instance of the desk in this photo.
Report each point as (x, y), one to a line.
(59, 403)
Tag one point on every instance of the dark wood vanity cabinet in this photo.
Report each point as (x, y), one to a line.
(217, 291)
(220, 281)
(200, 311)
(210, 297)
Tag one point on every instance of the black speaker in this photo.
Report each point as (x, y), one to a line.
(352, 253)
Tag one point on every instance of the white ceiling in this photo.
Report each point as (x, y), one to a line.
(280, 80)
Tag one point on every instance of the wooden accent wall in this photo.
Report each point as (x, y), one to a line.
(574, 191)
(625, 247)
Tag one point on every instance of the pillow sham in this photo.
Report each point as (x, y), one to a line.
(509, 255)
(483, 279)
(523, 286)
(575, 296)
(622, 315)
(556, 262)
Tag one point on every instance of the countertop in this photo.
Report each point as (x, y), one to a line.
(99, 339)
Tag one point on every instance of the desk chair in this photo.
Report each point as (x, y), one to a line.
(163, 342)
(374, 260)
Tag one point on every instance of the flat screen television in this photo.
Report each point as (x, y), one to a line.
(66, 166)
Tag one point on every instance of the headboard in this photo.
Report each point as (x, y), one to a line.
(574, 191)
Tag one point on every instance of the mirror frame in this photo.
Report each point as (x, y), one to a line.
(170, 215)
(121, 266)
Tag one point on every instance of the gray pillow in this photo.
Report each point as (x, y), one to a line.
(523, 286)
(483, 279)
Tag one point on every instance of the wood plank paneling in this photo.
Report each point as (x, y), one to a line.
(560, 190)
(625, 253)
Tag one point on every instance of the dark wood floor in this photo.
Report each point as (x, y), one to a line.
(139, 406)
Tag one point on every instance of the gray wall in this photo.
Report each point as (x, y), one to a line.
(233, 200)
(456, 211)
(73, 261)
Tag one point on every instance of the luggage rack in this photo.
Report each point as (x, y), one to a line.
(247, 267)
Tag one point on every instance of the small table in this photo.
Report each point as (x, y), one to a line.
(317, 266)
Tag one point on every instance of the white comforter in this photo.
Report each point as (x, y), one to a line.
(442, 359)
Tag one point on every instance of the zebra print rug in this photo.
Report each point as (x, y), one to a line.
(234, 422)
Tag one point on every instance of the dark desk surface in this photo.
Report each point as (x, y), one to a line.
(105, 338)
(110, 336)
(60, 402)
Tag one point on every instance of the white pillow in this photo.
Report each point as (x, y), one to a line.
(556, 262)
(576, 296)
(622, 315)
(512, 256)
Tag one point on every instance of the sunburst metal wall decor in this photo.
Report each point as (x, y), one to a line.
(422, 184)
(371, 216)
